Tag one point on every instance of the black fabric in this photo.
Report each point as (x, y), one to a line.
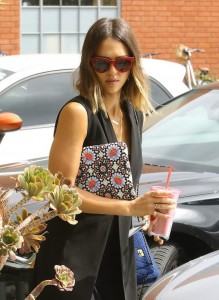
(106, 272)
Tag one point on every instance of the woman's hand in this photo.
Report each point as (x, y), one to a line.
(147, 205)
(149, 202)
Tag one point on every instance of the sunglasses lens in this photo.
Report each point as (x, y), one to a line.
(123, 65)
(101, 65)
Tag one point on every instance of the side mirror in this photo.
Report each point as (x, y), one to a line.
(9, 122)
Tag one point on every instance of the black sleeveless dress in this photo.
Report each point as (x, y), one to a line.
(97, 249)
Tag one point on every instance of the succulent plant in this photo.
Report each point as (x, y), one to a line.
(64, 280)
(65, 201)
(4, 198)
(36, 181)
(32, 238)
(59, 179)
(10, 240)
(23, 232)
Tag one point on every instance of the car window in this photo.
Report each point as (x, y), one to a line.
(38, 100)
(188, 136)
(158, 94)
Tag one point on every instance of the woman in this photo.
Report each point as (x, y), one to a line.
(111, 86)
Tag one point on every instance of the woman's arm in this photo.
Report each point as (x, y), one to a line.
(65, 156)
(67, 145)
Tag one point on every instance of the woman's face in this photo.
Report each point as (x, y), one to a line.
(112, 80)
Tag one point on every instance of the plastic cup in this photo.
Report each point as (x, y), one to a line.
(160, 226)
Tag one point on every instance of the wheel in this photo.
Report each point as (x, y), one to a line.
(168, 256)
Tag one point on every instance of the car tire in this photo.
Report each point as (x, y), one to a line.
(168, 257)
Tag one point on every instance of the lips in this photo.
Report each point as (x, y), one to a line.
(112, 80)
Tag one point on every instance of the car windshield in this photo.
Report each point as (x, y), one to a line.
(5, 73)
(185, 133)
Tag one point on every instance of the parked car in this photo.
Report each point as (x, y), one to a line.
(185, 133)
(36, 86)
(197, 279)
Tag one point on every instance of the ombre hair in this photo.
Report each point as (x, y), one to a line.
(135, 90)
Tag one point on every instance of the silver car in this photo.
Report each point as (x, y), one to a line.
(197, 279)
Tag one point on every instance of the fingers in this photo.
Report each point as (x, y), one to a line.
(160, 214)
(161, 201)
(158, 206)
(161, 196)
(158, 240)
(161, 193)
(146, 226)
(147, 222)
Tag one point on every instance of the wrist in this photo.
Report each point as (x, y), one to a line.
(124, 208)
(130, 208)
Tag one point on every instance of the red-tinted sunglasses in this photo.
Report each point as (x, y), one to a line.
(121, 64)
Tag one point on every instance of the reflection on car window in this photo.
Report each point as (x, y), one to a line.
(5, 73)
(188, 135)
(38, 100)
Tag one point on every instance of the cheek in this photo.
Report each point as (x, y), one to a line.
(125, 76)
(100, 77)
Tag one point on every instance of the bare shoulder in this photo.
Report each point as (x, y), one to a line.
(71, 117)
(74, 109)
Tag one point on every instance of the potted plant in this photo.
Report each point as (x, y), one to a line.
(21, 232)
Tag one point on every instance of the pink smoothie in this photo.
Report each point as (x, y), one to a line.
(162, 227)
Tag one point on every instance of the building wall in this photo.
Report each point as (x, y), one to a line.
(10, 27)
(160, 25)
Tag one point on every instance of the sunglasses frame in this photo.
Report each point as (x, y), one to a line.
(111, 62)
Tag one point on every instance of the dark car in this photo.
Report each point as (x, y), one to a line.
(185, 133)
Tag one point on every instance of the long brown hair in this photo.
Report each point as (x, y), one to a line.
(135, 90)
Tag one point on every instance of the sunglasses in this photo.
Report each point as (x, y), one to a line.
(121, 64)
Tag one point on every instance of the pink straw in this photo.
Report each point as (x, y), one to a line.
(168, 177)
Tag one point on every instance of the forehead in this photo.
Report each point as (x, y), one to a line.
(111, 48)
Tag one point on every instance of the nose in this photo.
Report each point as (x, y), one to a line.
(112, 68)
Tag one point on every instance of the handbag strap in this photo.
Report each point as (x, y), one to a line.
(137, 122)
(138, 126)
(139, 133)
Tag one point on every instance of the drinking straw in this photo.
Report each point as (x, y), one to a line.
(168, 176)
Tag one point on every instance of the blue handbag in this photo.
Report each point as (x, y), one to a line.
(146, 268)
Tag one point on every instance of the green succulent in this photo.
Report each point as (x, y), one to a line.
(10, 239)
(36, 181)
(65, 201)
